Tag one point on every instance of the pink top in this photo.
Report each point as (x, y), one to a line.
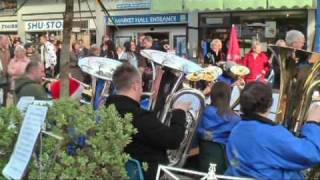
(17, 67)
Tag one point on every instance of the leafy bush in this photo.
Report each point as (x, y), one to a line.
(92, 145)
(10, 119)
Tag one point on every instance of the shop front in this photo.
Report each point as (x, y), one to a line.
(53, 28)
(9, 28)
(265, 26)
(171, 27)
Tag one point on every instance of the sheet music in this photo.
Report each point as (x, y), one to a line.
(28, 135)
(42, 103)
(24, 102)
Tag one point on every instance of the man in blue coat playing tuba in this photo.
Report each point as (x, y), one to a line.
(262, 149)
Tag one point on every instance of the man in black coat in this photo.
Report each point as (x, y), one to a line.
(153, 138)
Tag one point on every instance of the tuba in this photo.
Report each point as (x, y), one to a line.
(98, 68)
(300, 79)
(171, 92)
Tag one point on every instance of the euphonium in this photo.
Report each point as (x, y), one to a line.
(300, 77)
(178, 157)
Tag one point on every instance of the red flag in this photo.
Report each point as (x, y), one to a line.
(233, 49)
(75, 87)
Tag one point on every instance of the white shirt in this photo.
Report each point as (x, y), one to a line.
(48, 54)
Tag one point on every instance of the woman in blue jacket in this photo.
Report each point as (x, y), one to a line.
(214, 128)
(259, 148)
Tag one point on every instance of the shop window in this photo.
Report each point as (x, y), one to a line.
(267, 26)
(120, 40)
(8, 7)
(180, 45)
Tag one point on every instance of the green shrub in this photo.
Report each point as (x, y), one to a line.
(102, 154)
(10, 119)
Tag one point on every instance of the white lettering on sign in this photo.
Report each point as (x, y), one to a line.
(53, 25)
(8, 26)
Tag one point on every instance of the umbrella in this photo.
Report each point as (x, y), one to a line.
(233, 49)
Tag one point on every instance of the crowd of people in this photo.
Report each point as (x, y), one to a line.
(247, 145)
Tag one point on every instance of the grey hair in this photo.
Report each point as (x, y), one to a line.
(293, 35)
(18, 49)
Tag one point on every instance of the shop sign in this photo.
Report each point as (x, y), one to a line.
(148, 19)
(8, 26)
(47, 25)
(127, 4)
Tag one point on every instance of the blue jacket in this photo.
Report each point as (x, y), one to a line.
(261, 149)
(225, 79)
(213, 127)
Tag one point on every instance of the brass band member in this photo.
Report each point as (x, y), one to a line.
(259, 148)
(214, 128)
(153, 138)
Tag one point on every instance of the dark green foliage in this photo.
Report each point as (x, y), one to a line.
(10, 119)
(101, 156)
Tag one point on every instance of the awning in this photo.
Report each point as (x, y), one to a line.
(290, 4)
(244, 4)
(166, 5)
(203, 4)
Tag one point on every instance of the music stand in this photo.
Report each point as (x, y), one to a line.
(171, 173)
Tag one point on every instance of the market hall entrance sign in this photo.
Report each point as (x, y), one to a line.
(148, 19)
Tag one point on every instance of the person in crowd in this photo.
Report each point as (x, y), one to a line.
(5, 57)
(130, 53)
(275, 64)
(4, 54)
(259, 148)
(94, 50)
(215, 56)
(140, 43)
(83, 50)
(145, 66)
(295, 39)
(30, 50)
(214, 128)
(148, 42)
(164, 45)
(108, 49)
(153, 138)
(17, 42)
(48, 55)
(58, 46)
(18, 64)
(120, 51)
(74, 69)
(30, 83)
(258, 63)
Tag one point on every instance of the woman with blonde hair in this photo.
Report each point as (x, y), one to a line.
(215, 55)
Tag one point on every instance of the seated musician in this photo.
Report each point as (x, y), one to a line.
(259, 148)
(214, 128)
(153, 138)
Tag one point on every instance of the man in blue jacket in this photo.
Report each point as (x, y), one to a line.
(261, 149)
